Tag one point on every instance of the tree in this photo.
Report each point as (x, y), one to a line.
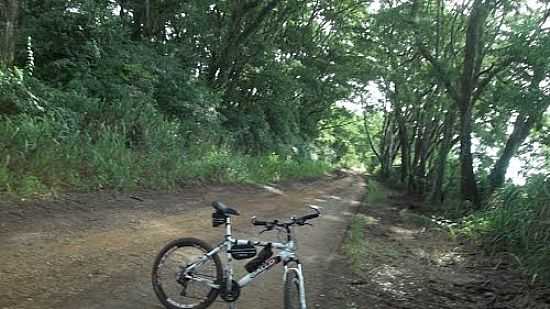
(9, 13)
(466, 81)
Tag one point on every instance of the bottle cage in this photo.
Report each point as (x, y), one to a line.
(265, 254)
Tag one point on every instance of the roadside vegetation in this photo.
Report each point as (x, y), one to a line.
(355, 245)
(516, 222)
(131, 94)
(462, 119)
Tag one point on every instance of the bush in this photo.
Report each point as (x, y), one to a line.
(120, 126)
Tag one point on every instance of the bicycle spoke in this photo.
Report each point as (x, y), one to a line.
(183, 284)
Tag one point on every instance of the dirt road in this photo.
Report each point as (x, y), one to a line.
(96, 250)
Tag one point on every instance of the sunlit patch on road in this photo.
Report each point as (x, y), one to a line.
(333, 218)
(273, 190)
(390, 279)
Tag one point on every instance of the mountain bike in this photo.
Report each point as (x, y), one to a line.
(189, 274)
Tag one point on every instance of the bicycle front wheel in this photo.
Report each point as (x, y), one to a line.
(292, 289)
(177, 289)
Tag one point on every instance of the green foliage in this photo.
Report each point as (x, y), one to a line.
(195, 93)
(517, 221)
(224, 167)
(47, 154)
(342, 140)
(376, 193)
(31, 186)
(16, 95)
(355, 245)
(199, 92)
(4, 178)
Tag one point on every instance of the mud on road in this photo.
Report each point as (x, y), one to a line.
(95, 250)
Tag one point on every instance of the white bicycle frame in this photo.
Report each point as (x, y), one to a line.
(286, 254)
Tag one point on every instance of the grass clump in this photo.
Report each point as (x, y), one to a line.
(355, 245)
(517, 222)
(376, 193)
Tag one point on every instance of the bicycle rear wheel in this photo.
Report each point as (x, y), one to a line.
(292, 289)
(176, 291)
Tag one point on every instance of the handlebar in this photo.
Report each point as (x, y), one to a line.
(309, 217)
(299, 221)
(258, 222)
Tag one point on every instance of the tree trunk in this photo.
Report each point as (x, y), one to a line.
(9, 10)
(469, 79)
(469, 188)
(523, 125)
(366, 127)
(521, 130)
(405, 151)
(387, 147)
(402, 134)
(436, 194)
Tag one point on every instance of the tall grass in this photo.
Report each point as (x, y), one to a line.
(517, 221)
(41, 155)
(53, 140)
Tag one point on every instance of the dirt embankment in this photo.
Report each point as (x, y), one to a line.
(409, 262)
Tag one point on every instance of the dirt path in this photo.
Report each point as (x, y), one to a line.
(409, 262)
(96, 250)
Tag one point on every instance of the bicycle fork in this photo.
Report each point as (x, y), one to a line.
(302, 290)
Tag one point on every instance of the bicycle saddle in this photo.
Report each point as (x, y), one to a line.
(221, 208)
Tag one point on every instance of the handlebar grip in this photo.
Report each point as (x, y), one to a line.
(259, 222)
(308, 217)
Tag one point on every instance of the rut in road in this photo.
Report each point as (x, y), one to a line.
(96, 250)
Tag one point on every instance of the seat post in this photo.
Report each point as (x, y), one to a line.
(227, 227)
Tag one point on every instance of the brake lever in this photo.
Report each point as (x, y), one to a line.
(302, 223)
(266, 230)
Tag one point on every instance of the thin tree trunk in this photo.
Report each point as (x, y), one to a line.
(402, 135)
(522, 127)
(469, 188)
(147, 25)
(405, 151)
(436, 194)
(369, 139)
(388, 150)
